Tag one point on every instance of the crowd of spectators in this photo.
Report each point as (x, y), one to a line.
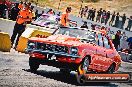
(106, 17)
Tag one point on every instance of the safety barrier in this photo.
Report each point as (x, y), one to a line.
(5, 42)
(7, 26)
(125, 56)
(28, 33)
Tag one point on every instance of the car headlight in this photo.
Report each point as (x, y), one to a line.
(73, 51)
(31, 45)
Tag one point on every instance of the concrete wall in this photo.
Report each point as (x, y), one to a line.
(7, 26)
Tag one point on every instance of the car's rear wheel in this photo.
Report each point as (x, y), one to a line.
(111, 69)
(34, 64)
(84, 65)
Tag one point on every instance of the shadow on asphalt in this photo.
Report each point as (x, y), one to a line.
(69, 79)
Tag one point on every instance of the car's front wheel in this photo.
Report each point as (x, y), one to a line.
(84, 66)
(34, 64)
(111, 69)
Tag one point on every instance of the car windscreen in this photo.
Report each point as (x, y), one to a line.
(47, 18)
(78, 33)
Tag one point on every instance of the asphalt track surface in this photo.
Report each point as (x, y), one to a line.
(14, 72)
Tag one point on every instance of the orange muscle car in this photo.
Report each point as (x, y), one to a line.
(71, 48)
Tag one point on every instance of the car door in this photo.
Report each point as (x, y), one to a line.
(100, 51)
(110, 53)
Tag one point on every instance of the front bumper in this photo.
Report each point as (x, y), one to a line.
(52, 53)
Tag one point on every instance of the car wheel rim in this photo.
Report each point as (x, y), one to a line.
(111, 70)
(85, 65)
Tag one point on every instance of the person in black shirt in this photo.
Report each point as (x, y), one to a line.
(84, 25)
(99, 13)
(93, 14)
(103, 16)
(123, 20)
(98, 16)
(107, 17)
(14, 12)
(116, 40)
(112, 19)
(81, 13)
(129, 23)
(90, 14)
(3, 8)
(117, 20)
(85, 11)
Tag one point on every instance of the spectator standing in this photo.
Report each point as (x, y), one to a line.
(20, 25)
(117, 20)
(116, 40)
(112, 19)
(64, 16)
(84, 25)
(85, 11)
(90, 14)
(123, 43)
(99, 13)
(82, 12)
(123, 20)
(107, 17)
(3, 8)
(14, 12)
(103, 17)
(93, 14)
(129, 23)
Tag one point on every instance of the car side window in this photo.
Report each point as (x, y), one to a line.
(106, 43)
(100, 40)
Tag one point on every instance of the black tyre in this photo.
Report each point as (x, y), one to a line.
(111, 69)
(34, 64)
(85, 65)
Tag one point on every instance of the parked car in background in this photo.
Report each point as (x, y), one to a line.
(71, 48)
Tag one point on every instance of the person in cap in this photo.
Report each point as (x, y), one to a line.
(64, 16)
(19, 28)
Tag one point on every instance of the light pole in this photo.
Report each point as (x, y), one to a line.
(59, 4)
(80, 7)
